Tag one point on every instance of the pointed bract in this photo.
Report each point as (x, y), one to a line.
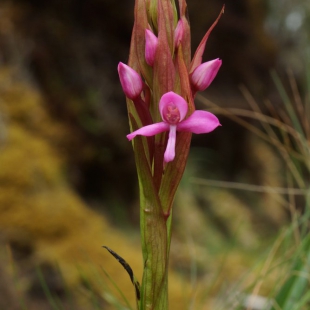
(197, 59)
(178, 33)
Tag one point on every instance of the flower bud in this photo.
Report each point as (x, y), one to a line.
(151, 42)
(131, 81)
(178, 33)
(205, 73)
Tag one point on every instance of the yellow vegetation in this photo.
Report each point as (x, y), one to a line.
(38, 207)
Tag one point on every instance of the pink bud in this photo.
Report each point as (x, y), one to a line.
(205, 73)
(178, 33)
(131, 81)
(151, 42)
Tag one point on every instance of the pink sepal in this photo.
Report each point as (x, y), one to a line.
(149, 130)
(205, 73)
(151, 43)
(131, 81)
(199, 122)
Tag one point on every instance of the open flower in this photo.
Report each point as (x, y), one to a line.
(173, 109)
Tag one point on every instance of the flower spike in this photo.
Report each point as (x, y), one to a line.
(160, 103)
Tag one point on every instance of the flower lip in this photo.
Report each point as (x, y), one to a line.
(173, 108)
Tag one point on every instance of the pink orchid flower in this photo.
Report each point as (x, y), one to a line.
(151, 43)
(131, 81)
(205, 73)
(173, 109)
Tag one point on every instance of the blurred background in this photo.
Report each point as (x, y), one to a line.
(67, 176)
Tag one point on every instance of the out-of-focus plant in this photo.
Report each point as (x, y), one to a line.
(288, 22)
(160, 83)
(287, 128)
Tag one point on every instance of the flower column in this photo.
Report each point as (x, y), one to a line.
(160, 82)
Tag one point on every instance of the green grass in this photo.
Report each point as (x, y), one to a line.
(287, 129)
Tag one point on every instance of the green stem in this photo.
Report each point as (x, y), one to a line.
(155, 235)
(155, 245)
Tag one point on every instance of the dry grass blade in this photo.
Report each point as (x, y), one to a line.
(286, 151)
(249, 187)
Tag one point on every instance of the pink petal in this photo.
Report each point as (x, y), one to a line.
(149, 130)
(176, 99)
(131, 81)
(199, 122)
(151, 43)
(170, 150)
(205, 73)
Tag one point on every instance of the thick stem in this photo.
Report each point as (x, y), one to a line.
(155, 236)
(155, 244)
